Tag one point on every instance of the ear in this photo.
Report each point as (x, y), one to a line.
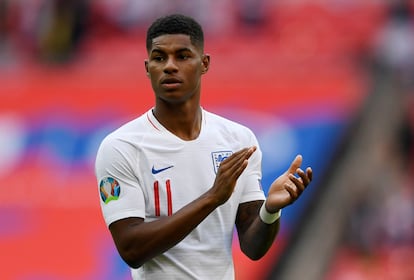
(146, 67)
(205, 63)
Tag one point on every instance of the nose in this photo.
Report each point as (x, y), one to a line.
(170, 66)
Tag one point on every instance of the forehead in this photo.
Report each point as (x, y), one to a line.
(172, 42)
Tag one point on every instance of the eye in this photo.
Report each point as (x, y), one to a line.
(158, 58)
(183, 56)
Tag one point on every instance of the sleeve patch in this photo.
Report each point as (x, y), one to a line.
(109, 189)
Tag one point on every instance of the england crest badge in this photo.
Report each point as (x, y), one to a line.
(218, 157)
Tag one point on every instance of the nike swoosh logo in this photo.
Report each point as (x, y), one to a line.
(156, 171)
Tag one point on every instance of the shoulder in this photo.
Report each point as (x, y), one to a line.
(219, 120)
(125, 137)
(227, 126)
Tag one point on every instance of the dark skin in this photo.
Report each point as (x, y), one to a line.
(175, 66)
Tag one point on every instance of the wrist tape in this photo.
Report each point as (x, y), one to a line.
(269, 218)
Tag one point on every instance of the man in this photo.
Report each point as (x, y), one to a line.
(186, 176)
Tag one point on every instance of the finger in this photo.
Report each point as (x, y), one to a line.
(303, 176)
(292, 191)
(237, 156)
(298, 182)
(310, 173)
(250, 151)
(236, 163)
(237, 168)
(296, 163)
(245, 152)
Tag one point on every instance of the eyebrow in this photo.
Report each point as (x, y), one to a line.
(176, 51)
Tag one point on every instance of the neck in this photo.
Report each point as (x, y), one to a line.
(184, 122)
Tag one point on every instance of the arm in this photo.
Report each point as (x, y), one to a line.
(138, 241)
(255, 236)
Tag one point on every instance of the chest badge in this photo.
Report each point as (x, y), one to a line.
(218, 157)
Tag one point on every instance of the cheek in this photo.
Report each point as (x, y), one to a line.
(154, 84)
(153, 76)
(153, 80)
(194, 75)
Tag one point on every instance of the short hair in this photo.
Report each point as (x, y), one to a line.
(176, 24)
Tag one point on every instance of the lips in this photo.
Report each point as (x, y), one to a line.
(170, 81)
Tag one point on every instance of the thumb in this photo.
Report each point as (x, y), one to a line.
(296, 163)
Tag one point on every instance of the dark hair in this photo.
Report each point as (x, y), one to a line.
(176, 24)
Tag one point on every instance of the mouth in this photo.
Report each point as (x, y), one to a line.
(171, 83)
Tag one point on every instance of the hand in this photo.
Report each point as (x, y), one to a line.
(287, 187)
(228, 173)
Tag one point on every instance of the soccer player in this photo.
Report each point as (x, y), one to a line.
(185, 176)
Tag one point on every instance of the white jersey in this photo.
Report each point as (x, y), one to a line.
(145, 171)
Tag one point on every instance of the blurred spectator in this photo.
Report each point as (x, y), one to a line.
(406, 132)
(128, 15)
(63, 24)
(394, 45)
(7, 14)
(52, 30)
(251, 12)
(383, 214)
(251, 16)
(382, 221)
(3, 25)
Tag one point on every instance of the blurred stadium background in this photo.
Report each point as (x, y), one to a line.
(330, 79)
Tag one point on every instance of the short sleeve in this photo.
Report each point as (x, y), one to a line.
(252, 176)
(120, 193)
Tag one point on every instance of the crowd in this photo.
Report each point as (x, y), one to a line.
(52, 30)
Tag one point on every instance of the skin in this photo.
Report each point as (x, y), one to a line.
(175, 67)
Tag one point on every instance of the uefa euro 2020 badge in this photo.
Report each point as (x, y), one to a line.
(109, 189)
(218, 157)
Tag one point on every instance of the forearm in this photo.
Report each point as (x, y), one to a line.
(256, 237)
(143, 241)
(259, 238)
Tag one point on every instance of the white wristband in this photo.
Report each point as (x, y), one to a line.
(269, 218)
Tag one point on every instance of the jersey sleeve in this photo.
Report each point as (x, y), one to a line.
(253, 174)
(119, 191)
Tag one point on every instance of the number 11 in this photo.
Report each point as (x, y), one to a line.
(157, 198)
